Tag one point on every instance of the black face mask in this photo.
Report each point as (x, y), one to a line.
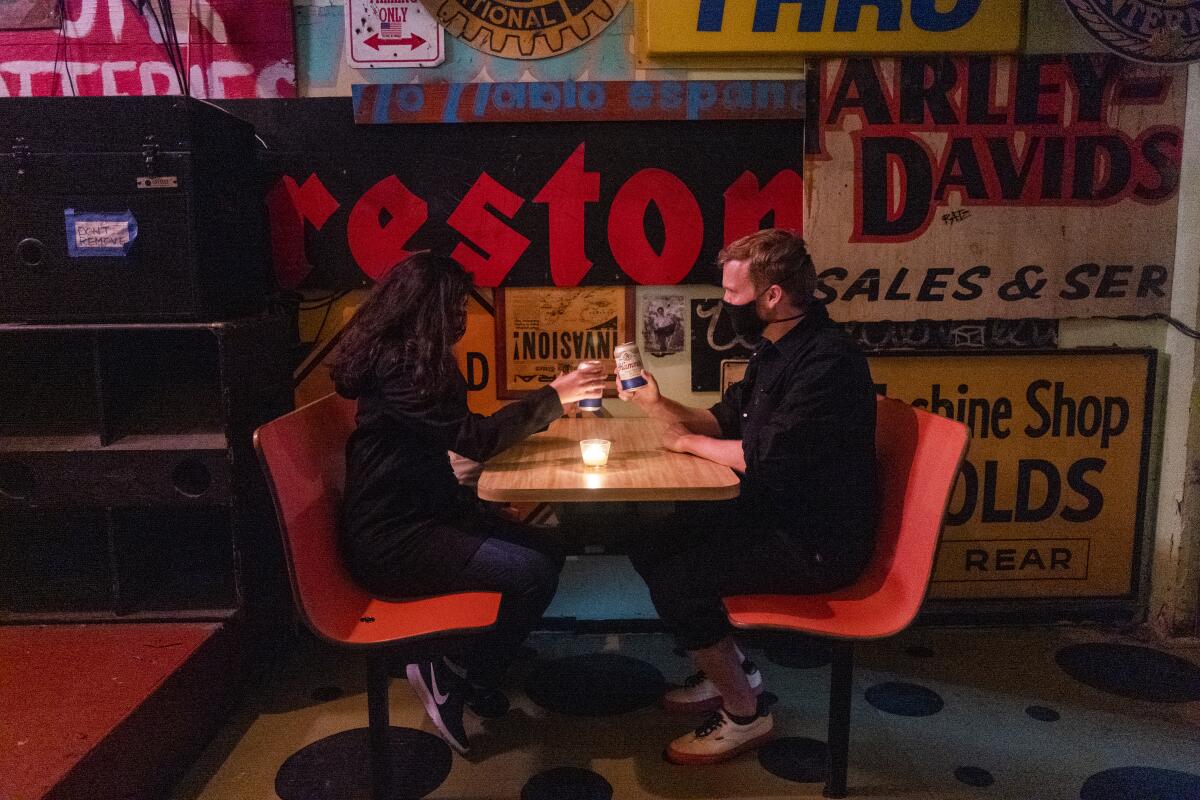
(746, 322)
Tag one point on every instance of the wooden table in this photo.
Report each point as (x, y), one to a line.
(548, 467)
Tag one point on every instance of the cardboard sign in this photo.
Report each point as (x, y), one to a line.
(392, 33)
(749, 28)
(968, 188)
(541, 333)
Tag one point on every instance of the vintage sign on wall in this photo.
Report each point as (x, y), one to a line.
(596, 203)
(525, 28)
(541, 333)
(579, 101)
(975, 187)
(1050, 502)
(227, 48)
(1155, 31)
(392, 33)
(751, 28)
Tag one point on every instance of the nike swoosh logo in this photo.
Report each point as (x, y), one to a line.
(438, 697)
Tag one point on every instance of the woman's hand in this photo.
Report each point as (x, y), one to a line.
(644, 396)
(582, 383)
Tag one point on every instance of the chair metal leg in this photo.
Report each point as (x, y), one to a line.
(377, 716)
(841, 679)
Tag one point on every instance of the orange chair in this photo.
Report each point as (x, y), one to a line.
(919, 455)
(303, 456)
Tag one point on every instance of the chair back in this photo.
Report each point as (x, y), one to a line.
(919, 455)
(304, 457)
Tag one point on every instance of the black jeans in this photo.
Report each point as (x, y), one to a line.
(523, 565)
(706, 551)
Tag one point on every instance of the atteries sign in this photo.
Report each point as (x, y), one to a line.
(751, 28)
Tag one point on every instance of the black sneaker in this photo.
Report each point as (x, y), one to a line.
(487, 702)
(443, 694)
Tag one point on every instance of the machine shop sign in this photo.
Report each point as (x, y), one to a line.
(525, 28)
(1155, 31)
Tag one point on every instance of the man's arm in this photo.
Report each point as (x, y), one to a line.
(723, 451)
(653, 404)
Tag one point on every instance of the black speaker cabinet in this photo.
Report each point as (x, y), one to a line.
(128, 485)
(128, 209)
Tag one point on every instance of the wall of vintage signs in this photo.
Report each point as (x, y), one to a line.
(1040, 196)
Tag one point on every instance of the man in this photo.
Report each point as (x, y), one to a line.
(800, 429)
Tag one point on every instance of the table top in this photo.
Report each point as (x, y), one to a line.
(548, 467)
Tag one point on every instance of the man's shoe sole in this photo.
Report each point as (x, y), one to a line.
(695, 759)
(699, 706)
(413, 671)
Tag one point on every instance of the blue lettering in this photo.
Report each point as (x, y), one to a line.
(544, 96)
(410, 98)
(928, 18)
(766, 15)
(641, 96)
(481, 98)
(507, 96)
(712, 13)
(453, 97)
(738, 94)
(849, 10)
(670, 95)
(701, 95)
(591, 96)
(769, 94)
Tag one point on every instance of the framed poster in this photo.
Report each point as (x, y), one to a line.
(542, 332)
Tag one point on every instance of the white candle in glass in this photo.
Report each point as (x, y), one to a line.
(595, 452)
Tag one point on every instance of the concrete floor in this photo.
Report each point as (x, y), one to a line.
(987, 678)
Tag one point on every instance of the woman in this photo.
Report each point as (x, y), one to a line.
(407, 527)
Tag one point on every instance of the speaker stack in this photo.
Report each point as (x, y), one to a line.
(138, 353)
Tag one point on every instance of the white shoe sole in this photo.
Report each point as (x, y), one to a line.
(413, 671)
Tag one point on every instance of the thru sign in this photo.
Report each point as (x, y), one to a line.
(392, 33)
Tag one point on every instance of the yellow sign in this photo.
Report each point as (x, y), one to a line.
(543, 332)
(674, 28)
(1051, 499)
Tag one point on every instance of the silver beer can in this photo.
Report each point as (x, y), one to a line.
(590, 403)
(629, 366)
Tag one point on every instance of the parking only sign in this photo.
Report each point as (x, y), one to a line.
(392, 33)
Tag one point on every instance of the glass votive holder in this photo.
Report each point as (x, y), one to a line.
(595, 451)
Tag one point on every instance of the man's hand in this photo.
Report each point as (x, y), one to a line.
(644, 396)
(674, 438)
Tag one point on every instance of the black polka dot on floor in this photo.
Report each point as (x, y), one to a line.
(795, 759)
(1042, 713)
(974, 776)
(323, 694)
(1135, 783)
(919, 651)
(798, 652)
(575, 783)
(595, 685)
(905, 699)
(1131, 671)
(339, 766)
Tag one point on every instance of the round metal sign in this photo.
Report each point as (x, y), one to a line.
(1154, 31)
(524, 28)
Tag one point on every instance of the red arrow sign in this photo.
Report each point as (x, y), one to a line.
(373, 41)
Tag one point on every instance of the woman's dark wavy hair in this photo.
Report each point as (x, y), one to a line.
(410, 320)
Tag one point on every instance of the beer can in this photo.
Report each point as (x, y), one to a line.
(629, 366)
(590, 403)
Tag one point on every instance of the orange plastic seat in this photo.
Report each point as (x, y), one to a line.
(304, 457)
(919, 455)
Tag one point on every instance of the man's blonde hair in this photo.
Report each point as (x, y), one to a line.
(775, 256)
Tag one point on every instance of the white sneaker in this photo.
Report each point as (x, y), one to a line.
(719, 738)
(698, 694)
